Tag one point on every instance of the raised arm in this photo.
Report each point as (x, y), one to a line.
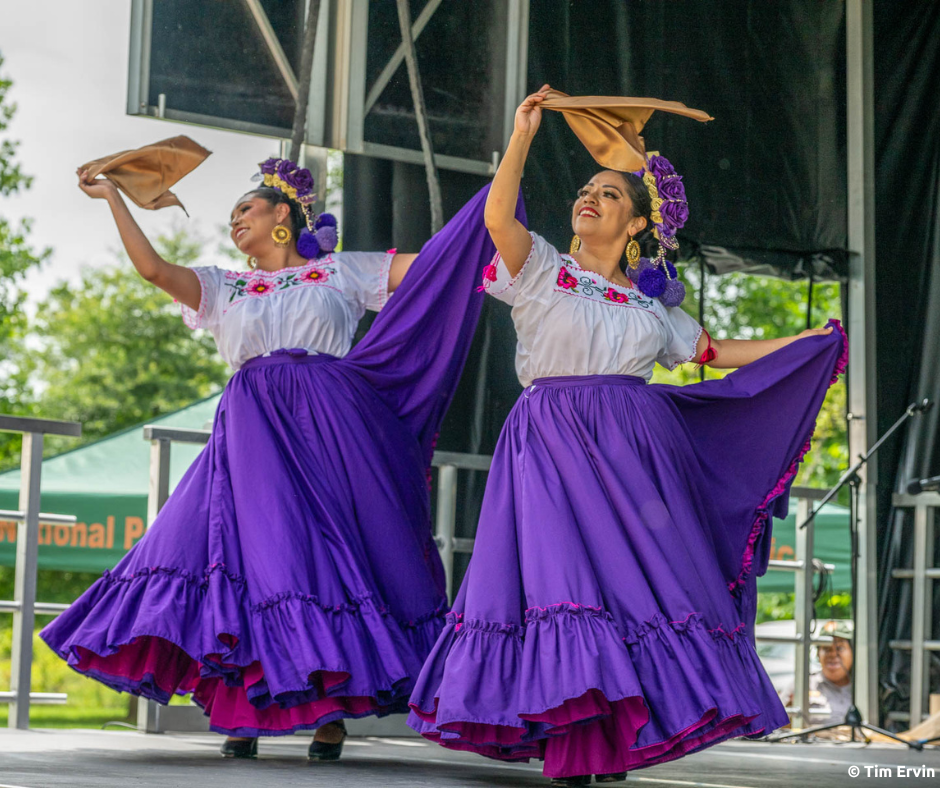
(734, 353)
(181, 283)
(511, 238)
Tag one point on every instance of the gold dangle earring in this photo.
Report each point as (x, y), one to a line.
(575, 244)
(281, 235)
(252, 263)
(632, 253)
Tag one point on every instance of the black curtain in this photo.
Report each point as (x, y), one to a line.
(907, 72)
(766, 178)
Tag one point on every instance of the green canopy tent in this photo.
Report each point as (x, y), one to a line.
(104, 484)
(832, 547)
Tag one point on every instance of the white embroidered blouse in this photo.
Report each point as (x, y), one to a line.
(570, 321)
(315, 306)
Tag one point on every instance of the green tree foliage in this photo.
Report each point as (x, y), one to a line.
(17, 257)
(738, 306)
(113, 352)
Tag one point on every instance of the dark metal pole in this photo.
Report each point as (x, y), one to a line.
(303, 86)
(417, 96)
(809, 303)
(701, 303)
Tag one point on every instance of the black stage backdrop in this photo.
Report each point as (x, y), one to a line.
(765, 179)
(766, 185)
(907, 139)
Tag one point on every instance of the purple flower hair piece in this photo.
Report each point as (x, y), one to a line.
(301, 180)
(660, 166)
(652, 282)
(659, 278)
(675, 215)
(297, 184)
(670, 206)
(671, 188)
(284, 168)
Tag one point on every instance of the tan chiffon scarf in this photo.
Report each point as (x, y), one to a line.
(146, 174)
(610, 126)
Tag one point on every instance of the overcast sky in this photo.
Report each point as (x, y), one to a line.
(68, 62)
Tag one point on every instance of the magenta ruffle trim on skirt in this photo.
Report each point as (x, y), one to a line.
(783, 484)
(350, 660)
(577, 727)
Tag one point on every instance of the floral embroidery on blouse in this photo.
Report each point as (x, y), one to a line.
(588, 287)
(253, 285)
(258, 287)
(318, 275)
(566, 281)
(617, 298)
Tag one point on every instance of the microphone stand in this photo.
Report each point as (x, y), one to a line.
(853, 717)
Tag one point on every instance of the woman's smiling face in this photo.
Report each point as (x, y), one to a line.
(603, 210)
(252, 221)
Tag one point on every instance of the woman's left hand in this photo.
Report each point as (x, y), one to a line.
(815, 332)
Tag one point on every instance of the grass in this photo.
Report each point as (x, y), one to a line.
(90, 703)
(69, 716)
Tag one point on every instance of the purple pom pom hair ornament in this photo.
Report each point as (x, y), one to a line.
(307, 245)
(320, 235)
(634, 273)
(652, 282)
(673, 293)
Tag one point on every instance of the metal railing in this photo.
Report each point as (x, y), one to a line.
(151, 716)
(23, 606)
(921, 574)
(445, 532)
(804, 607)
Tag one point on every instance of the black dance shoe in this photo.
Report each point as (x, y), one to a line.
(572, 782)
(323, 751)
(240, 748)
(610, 778)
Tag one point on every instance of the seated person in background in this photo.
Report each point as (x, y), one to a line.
(830, 688)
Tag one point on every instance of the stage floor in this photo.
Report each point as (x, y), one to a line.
(111, 759)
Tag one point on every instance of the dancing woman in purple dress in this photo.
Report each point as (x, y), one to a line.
(606, 619)
(291, 580)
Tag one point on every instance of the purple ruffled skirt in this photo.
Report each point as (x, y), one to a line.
(291, 579)
(606, 619)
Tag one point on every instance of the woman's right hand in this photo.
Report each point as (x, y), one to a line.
(96, 188)
(529, 113)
